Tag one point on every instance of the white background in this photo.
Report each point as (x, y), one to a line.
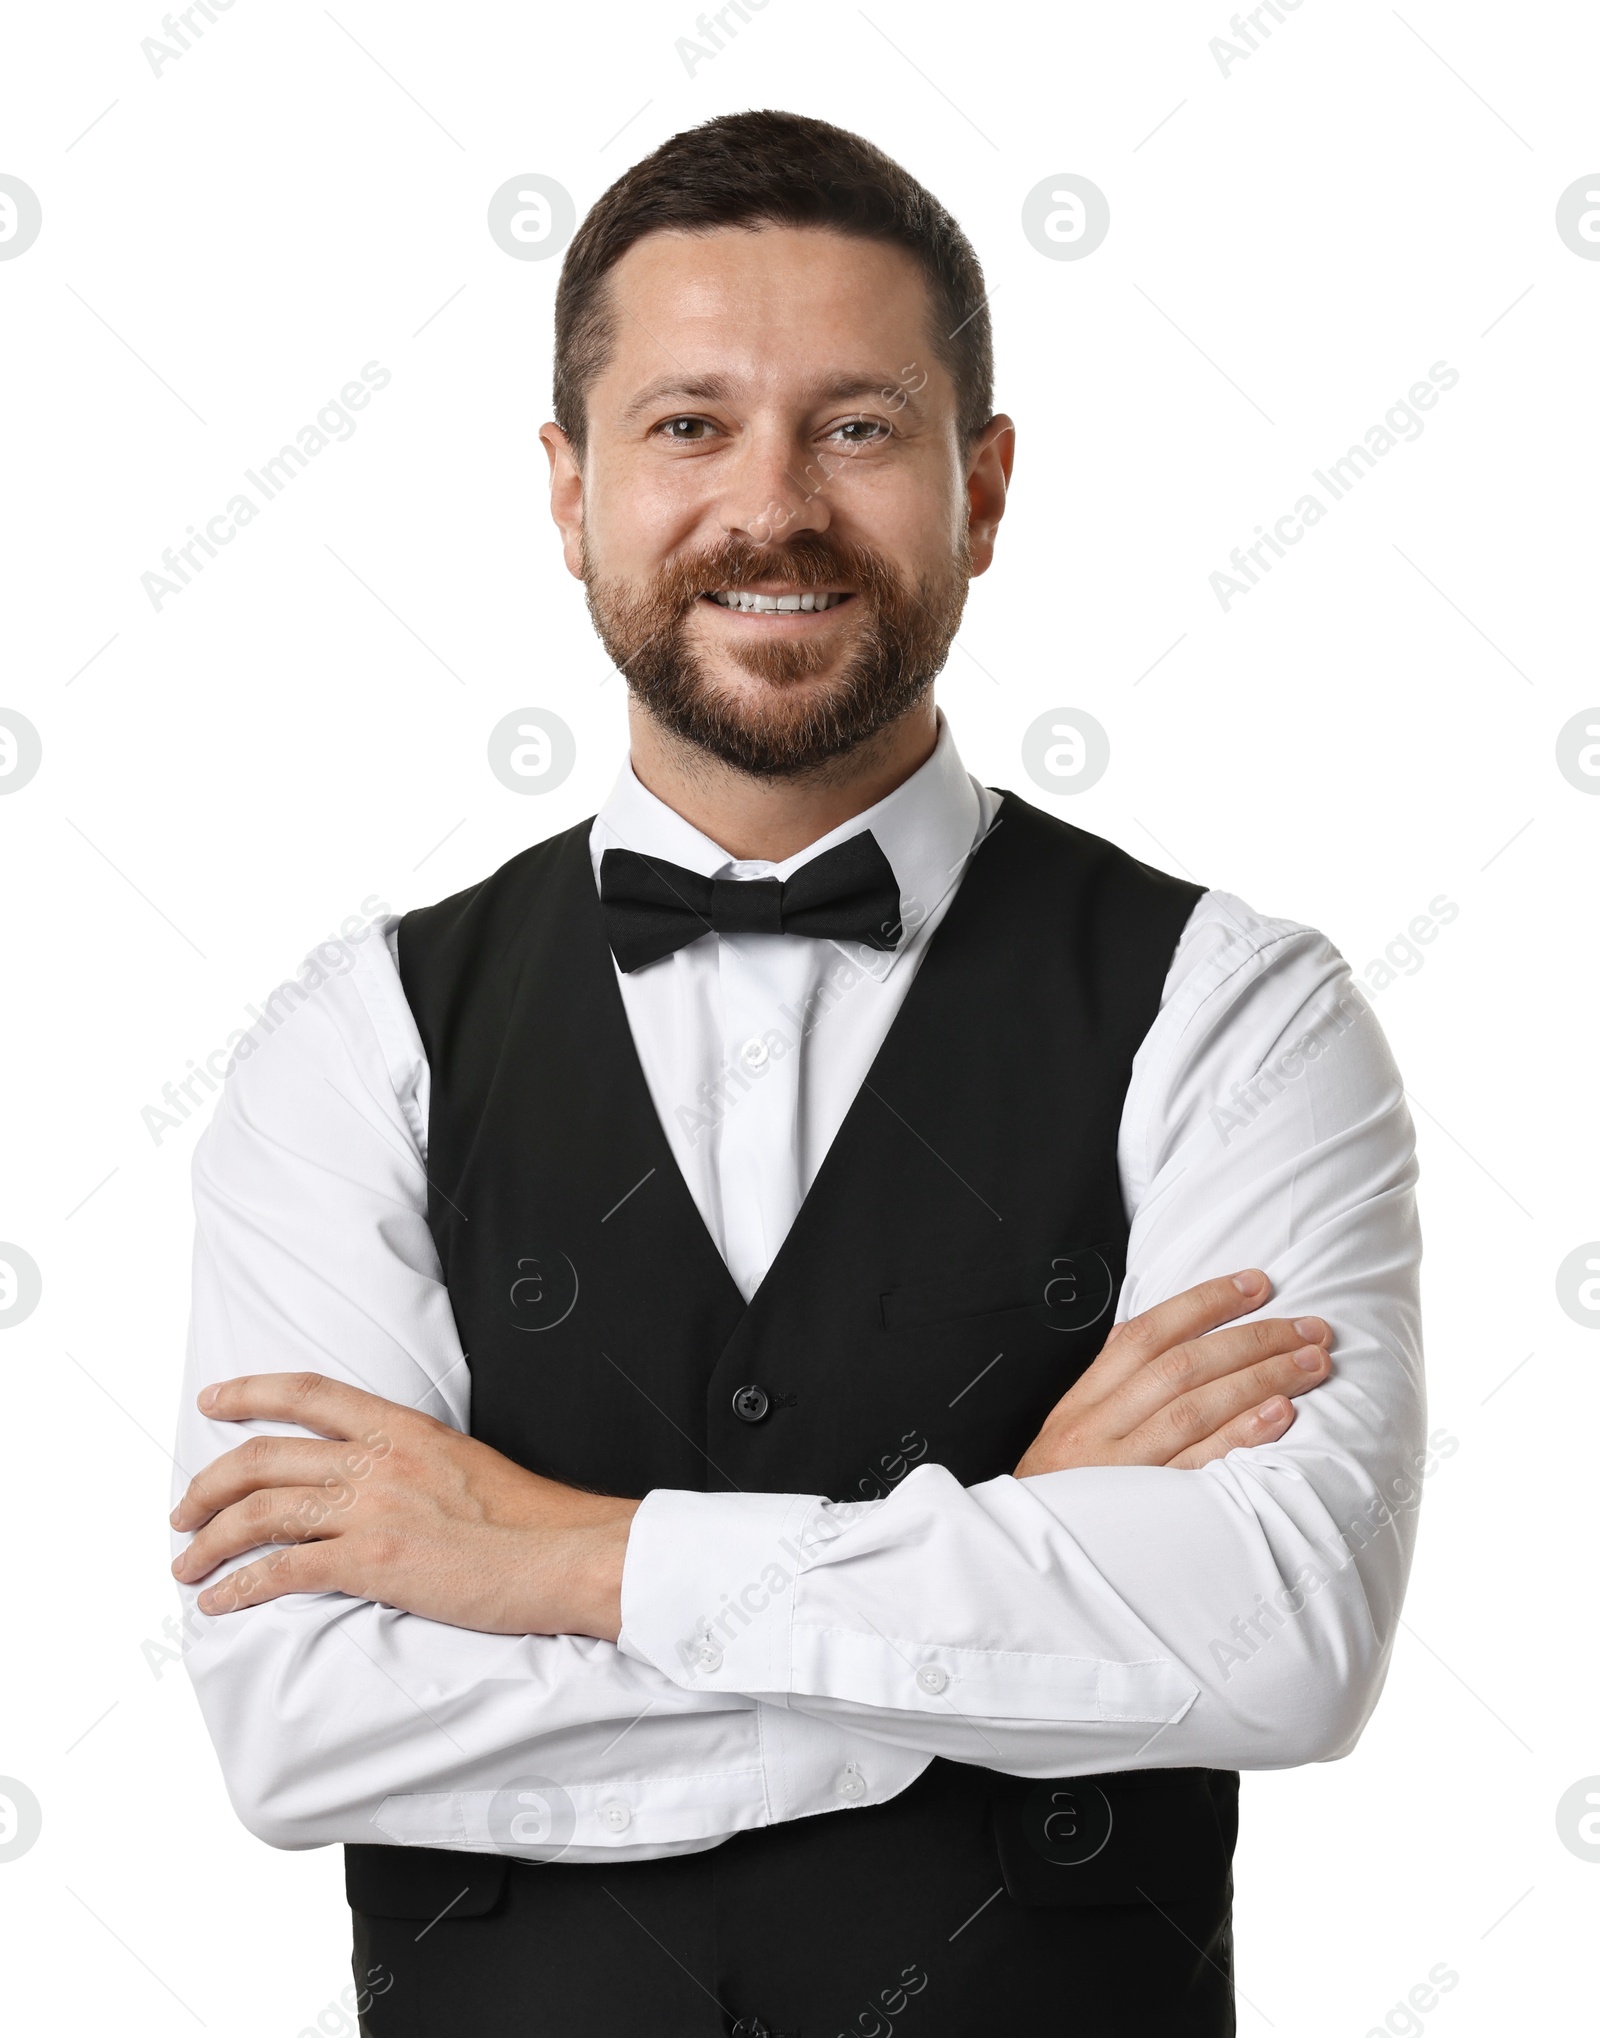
(1375, 724)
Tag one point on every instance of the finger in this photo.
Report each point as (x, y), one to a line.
(1190, 1365)
(1186, 1315)
(332, 1408)
(310, 1567)
(281, 1514)
(1193, 1417)
(1263, 1425)
(272, 1461)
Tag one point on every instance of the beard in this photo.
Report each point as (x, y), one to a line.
(901, 637)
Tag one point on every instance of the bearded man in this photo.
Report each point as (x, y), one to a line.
(774, 1502)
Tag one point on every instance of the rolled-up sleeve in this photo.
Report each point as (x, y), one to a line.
(1237, 1616)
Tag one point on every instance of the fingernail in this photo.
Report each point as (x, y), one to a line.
(208, 1396)
(173, 1517)
(1310, 1358)
(1250, 1283)
(1312, 1329)
(1271, 1411)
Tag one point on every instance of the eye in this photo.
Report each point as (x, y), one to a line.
(684, 431)
(861, 431)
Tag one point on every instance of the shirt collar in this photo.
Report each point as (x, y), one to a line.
(926, 828)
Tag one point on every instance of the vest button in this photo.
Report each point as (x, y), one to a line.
(750, 1404)
(932, 1678)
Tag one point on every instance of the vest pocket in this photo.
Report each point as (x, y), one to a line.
(1068, 1288)
(1151, 1836)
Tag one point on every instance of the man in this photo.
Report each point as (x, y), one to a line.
(702, 1544)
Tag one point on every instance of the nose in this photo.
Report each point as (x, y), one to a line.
(778, 488)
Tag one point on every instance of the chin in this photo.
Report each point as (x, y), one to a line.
(764, 700)
(739, 681)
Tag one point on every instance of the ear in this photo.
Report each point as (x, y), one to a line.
(566, 495)
(988, 477)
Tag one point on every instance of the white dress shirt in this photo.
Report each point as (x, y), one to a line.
(781, 1655)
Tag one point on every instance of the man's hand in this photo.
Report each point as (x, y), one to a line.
(1162, 1393)
(398, 1509)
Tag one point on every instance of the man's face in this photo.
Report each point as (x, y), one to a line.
(776, 517)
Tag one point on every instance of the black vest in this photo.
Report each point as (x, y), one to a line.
(951, 1272)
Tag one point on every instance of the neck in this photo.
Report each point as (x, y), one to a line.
(774, 819)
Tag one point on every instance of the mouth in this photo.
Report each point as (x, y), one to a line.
(788, 603)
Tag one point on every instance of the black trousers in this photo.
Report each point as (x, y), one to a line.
(926, 1917)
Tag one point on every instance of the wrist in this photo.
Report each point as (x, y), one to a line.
(597, 1574)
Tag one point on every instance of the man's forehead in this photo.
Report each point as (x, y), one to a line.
(844, 315)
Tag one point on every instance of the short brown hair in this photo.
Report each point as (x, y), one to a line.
(779, 169)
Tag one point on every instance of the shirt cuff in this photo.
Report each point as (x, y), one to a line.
(708, 1583)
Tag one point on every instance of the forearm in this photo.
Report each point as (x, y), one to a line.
(1106, 1618)
(335, 1720)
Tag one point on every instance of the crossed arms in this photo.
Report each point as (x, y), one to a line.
(1134, 1596)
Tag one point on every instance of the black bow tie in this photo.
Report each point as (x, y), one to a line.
(651, 907)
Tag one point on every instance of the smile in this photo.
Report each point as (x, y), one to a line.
(806, 601)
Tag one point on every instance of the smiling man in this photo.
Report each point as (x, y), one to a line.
(771, 1503)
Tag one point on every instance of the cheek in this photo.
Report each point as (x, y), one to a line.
(636, 517)
(912, 509)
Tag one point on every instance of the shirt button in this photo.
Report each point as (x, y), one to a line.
(755, 1053)
(851, 1783)
(615, 1815)
(750, 1404)
(932, 1678)
(707, 1655)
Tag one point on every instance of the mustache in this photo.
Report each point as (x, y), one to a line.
(810, 556)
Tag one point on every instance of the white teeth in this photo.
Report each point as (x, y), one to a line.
(772, 604)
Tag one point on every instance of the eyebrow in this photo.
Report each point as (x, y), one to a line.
(718, 389)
